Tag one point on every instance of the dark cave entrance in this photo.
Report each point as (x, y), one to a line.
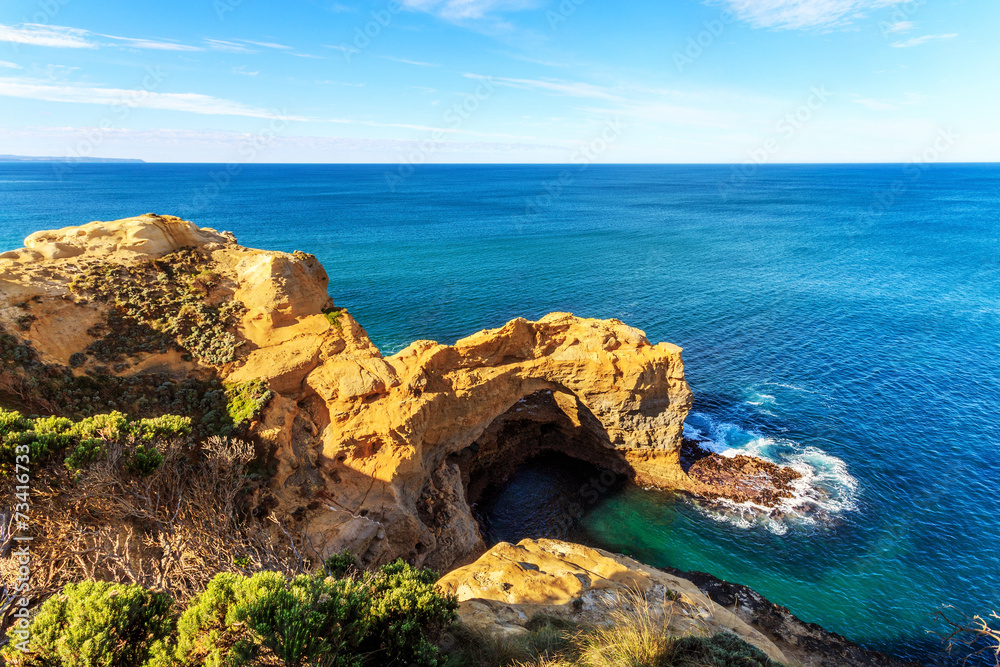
(547, 496)
(539, 468)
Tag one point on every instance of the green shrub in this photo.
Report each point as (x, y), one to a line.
(166, 426)
(407, 615)
(159, 305)
(81, 443)
(85, 453)
(720, 650)
(300, 621)
(143, 461)
(390, 617)
(13, 422)
(333, 316)
(97, 624)
(246, 400)
(111, 426)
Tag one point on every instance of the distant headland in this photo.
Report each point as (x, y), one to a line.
(34, 158)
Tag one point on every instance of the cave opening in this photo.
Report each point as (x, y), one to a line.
(547, 496)
(539, 468)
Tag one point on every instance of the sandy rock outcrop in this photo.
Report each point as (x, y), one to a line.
(511, 584)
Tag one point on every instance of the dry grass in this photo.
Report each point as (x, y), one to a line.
(636, 636)
(170, 531)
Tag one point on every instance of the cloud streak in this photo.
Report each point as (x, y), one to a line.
(36, 34)
(802, 14)
(917, 41)
(410, 62)
(457, 10)
(142, 99)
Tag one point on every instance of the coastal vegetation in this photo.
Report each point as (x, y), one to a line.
(213, 408)
(161, 304)
(392, 616)
(144, 501)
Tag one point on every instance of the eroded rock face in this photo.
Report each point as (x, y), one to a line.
(511, 584)
(373, 454)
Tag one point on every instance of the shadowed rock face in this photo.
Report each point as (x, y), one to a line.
(373, 454)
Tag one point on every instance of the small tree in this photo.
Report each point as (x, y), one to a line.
(976, 636)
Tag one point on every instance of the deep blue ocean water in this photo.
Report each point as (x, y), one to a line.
(842, 319)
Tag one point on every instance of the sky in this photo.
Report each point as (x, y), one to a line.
(517, 81)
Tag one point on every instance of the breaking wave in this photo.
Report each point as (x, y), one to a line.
(825, 491)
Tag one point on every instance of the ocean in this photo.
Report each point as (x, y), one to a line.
(843, 319)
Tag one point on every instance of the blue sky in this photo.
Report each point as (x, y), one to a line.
(501, 80)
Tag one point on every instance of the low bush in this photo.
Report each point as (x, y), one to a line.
(84, 442)
(391, 617)
(300, 621)
(96, 624)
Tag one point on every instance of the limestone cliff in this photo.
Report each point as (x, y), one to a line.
(378, 455)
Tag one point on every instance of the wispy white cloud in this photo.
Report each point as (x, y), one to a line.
(208, 145)
(243, 71)
(268, 45)
(153, 44)
(345, 49)
(917, 41)
(875, 105)
(557, 86)
(63, 37)
(898, 26)
(454, 10)
(802, 14)
(37, 34)
(419, 63)
(144, 99)
(9, 65)
(227, 46)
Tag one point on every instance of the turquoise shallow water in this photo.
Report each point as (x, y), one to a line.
(854, 339)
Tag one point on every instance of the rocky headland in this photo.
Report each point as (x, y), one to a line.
(381, 456)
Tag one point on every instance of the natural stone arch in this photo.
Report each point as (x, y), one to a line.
(398, 426)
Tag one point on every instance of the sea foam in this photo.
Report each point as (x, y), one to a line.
(825, 491)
